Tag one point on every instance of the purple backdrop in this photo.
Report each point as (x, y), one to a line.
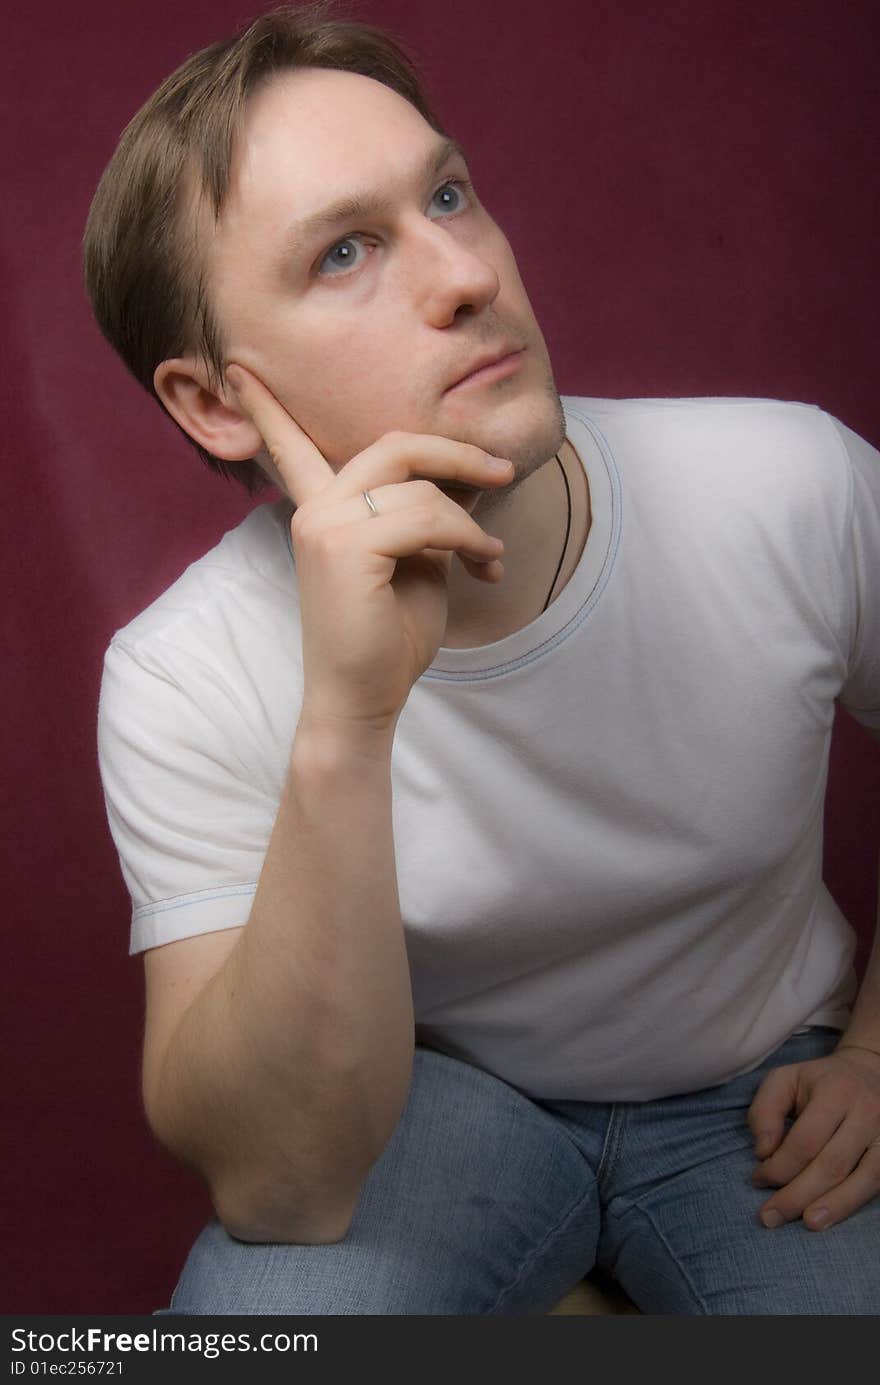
(692, 192)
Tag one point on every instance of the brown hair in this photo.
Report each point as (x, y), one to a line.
(141, 260)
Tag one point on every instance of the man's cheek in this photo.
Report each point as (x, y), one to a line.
(340, 420)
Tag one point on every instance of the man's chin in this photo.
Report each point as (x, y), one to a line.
(526, 431)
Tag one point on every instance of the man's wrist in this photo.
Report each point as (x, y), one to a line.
(860, 1048)
(324, 744)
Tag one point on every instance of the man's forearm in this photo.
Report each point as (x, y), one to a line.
(286, 1076)
(863, 1030)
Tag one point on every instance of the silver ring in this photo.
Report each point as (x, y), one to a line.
(370, 501)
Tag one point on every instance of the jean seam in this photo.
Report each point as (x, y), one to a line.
(632, 1290)
(636, 1206)
(536, 1250)
(539, 1248)
(613, 1142)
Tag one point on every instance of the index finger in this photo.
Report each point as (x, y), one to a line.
(301, 465)
(771, 1104)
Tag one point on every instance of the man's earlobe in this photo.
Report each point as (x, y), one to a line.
(210, 416)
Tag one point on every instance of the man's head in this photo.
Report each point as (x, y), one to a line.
(209, 240)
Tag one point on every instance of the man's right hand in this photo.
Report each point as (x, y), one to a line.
(373, 587)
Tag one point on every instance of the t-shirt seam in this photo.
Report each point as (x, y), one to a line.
(169, 903)
(148, 662)
(220, 572)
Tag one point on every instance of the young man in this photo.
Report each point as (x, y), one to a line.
(484, 931)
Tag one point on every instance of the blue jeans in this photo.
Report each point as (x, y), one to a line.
(489, 1201)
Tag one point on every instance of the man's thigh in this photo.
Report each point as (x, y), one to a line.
(480, 1204)
(681, 1230)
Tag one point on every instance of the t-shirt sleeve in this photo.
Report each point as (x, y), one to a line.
(860, 694)
(188, 818)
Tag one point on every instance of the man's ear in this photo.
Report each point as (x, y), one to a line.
(212, 418)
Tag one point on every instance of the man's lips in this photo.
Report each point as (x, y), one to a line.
(492, 366)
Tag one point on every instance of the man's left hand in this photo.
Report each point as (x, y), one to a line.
(828, 1163)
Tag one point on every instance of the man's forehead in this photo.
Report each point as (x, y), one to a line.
(316, 141)
(322, 122)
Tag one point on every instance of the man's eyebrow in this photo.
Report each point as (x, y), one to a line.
(362, 205)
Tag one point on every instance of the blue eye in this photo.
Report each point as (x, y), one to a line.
(341, 257)
(455, 187)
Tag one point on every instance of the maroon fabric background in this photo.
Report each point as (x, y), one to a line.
(692, 191)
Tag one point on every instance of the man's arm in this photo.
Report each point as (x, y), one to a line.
(282, 1079)
(863, 1030)
(280, 1076)
(828, 1164)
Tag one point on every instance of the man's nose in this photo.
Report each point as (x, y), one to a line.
(450, 276)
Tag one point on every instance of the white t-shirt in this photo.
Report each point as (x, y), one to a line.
(608, 825)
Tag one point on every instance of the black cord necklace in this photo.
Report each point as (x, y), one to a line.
(567, 532)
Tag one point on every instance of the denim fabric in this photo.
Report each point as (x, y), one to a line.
(488, 1201)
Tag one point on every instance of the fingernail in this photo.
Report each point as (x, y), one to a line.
(233, 377)
(772, 1218)
(819, 1217)
(498, 464)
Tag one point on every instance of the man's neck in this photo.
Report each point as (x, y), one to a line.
(532, 524)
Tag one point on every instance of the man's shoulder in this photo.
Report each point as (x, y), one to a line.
(794, 437)
(251, 566)
(717, 410)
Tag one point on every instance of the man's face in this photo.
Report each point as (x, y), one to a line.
(363, 324)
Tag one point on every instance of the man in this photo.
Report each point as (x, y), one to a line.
(481, 904)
